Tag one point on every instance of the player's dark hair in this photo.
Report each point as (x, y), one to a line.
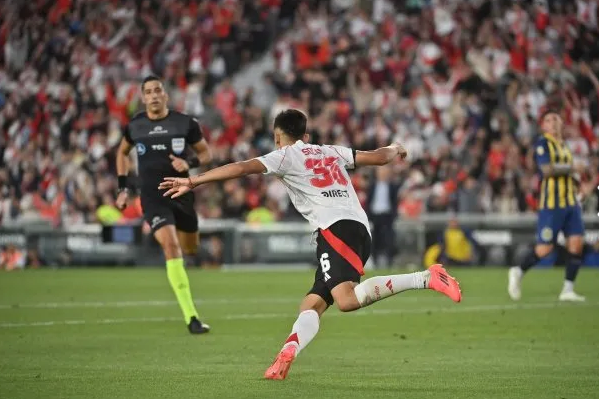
(149, 78)
(292, 122)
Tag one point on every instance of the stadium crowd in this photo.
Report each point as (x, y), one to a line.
(461, 83)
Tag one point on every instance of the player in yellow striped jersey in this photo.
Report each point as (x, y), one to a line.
(559, 209)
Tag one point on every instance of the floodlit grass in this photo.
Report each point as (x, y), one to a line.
(119, 334)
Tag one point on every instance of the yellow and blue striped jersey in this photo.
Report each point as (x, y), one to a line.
(557, 192)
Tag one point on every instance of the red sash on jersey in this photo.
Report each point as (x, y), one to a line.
(344, 250)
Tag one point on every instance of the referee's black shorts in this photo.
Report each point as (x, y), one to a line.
(160, 211)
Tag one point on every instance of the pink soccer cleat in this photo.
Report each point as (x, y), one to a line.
(280, 367)
(442, 282)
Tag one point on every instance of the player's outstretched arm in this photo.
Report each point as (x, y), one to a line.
(229, 171)
(178, 186)
(380, 156)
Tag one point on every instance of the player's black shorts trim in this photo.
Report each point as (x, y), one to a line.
(341, 250)
(160, 211)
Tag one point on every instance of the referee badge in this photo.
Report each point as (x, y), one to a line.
(178, 145)
(540, 150)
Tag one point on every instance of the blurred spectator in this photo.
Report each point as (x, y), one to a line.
(12, 258)
(107, 213)
(263, 214)
(382, 212)
(133, 211)
(457, 246)
(33, 259)
(460, 83)
(211, 252)
(468, 197)
(234, 204)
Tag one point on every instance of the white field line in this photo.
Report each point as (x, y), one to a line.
(214, 301)
(254, 316)
(132, 304)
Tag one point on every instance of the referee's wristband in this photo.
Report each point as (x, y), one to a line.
(122, 179)
(193, 162)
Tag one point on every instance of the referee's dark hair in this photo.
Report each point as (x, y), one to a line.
(292, 122)
(149, 78)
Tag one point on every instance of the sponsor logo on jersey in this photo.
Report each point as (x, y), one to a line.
(159, 147)
(178, 145)
(312, 151)
(336, 194)
(158, 130)
(141, 149)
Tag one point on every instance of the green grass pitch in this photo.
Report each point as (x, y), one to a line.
(118, 334)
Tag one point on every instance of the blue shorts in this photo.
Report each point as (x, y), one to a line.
(552, 221)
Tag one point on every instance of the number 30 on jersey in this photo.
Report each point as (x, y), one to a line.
(328, 170)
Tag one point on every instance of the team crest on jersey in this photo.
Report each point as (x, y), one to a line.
(540, 150)
(178, 145)
(547, 234)
(141, 149)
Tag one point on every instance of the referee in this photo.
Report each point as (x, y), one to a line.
(162, 138)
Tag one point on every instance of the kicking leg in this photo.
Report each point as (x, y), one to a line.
(350, 296)
(303, 331)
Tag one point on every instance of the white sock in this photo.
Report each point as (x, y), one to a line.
(304, 330)
(380, 287)
(568, 286)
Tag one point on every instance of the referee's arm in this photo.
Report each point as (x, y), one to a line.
(122, 157)
(196, 140)
(203, 152)
(122, 170)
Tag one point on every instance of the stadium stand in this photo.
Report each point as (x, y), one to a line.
(461, 83)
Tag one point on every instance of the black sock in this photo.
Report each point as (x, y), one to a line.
(529, 260)
(573, 262)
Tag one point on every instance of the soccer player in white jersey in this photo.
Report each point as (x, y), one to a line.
(320, 188)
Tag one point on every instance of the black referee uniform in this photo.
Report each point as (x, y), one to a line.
(155, 140)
